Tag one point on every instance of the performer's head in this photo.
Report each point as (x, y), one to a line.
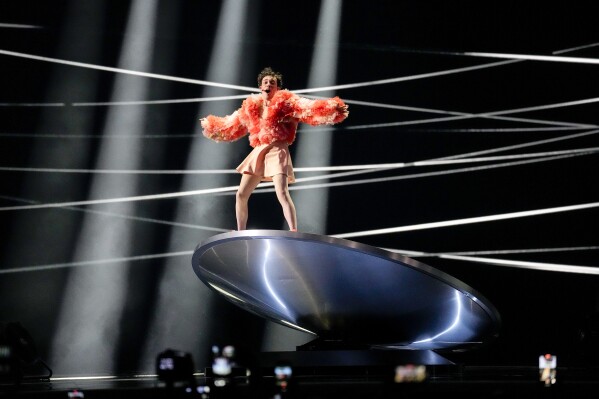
(269, 81)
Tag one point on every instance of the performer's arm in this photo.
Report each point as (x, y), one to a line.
(320, 112)
(223, 128)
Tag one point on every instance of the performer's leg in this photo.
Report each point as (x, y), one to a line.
(284, 198)
(246, 187)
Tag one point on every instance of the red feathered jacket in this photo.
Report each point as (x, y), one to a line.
(284, 112)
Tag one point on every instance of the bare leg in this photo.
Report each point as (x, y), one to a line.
(246, 187)
(284, 198)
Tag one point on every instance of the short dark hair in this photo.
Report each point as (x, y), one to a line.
(268, 71)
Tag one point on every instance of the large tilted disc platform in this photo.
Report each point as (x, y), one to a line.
(342, 290)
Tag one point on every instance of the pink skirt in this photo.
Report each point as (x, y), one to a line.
(268, 160)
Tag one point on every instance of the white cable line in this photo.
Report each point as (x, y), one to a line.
(568, 50)
(497, 262)
(496, 130)
(554, 267)
(245, 88)
(127, 71)
(511, 251)
(188, 252)
(412, 176)
(123, 171)
(464, 115)
(127, 217)
(457, 115)
(529, 144)
(404, 252)
(251, 89)
(302, 169)
(98, 136)
(383, 81)
(503, 157)
(479, 219)
(32, 104)
(190, 135)
(529, 57)
(234, 188)
(19, 26)
(155, 102)
(404, 78)
(93, 262)
(123, 199)
(336, 87)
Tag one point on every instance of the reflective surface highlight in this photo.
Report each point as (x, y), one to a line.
(341, 290)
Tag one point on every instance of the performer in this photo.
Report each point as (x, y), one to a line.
(271, 119)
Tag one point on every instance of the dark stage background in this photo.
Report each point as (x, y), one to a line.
(103, 286)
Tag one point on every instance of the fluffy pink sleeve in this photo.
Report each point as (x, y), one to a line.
(223, 128)
(319, 112)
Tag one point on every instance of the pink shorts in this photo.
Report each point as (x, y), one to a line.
(268, 160)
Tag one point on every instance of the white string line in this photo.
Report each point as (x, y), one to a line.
(246, 88)
(494, 252)
(496, 130)
(529, 57)
(569, 50)
(93, 262)
(124, 171)
(479, 219)
(493, 150)
(32, 104)
(251, 89)
(19, 26)
(156, 102)
(300, 169)
(523, 145)
(127, 71)
(404, 252)
(405, 78)
(100, 136)
(231, 189)
(463, 115)
(393, 178)
(126, 217)
(164, 136)
(311, 90)
(552, 267)
(457, 115)
(457, 118)
(188, 253)
(468, 154)
(497, 262)
(383, 81)
(327, 88)
(411, 176)
(121, 199)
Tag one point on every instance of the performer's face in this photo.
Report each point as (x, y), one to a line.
(269, 86)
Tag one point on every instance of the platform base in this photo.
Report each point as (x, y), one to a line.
(352, 358)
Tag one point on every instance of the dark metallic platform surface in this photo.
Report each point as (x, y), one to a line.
(346, 291)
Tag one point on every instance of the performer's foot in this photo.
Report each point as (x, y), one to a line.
(293, 230)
